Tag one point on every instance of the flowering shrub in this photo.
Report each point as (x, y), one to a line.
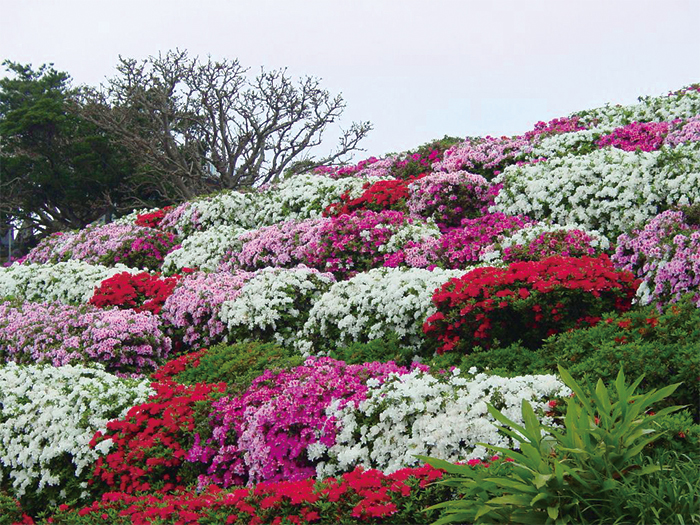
(70, 282)
(152, 439)
(371, 167)
(226, 208)
(122, 340)
(274, 305)
(47, 419)
(152, 219)
(686, 131)
(555, 126)
(444, 416)
(664, 255)
(131, 217)
(353, 243)
(371, 305)
(264, 433)
(527, 300)
(607, 190)
(304, 197)
(535, 242)
(192, 311)
(646, 136)
(203, 250)
(485, 156)
(285, 244)
(355, 497)
(11, 512)
(448, 198)
(133, 246)
(382, 195)
(141, 292)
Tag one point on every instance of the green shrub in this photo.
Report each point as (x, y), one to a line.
(238, 364)
(572, 475)
(664, 347)
(510, 361)
(11, 512)
(387, 348)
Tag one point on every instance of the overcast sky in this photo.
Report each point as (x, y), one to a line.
(417, 69)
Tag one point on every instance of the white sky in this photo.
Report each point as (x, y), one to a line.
(417, 69)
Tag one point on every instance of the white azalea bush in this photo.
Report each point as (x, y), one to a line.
(374, 304)
(231, 208)
(273, 305)
(69, 282)
(204, 249)
(609, 190)
(305, 196)
(48, 415)
(441, 416)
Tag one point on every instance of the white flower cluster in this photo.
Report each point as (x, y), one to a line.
(204, 249)
(372, 304)
(70, 282)
(230, 208)
(609, 190)
(649, 109)
(530, 232)
(417, 413)
(305, 196)
(48, 415)
(274, 304)
(417, 231)
(571, 143)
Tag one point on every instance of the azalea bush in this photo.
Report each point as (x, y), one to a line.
(204, 250)
(442, 415)
(526, 301)
(149, 444)
(226, 208)
(372, 305)
(664, 254)
(535, 242)
(123, 341)
(152, 219)
(360, 496)
(191, 313)
(274, 305)
(608, 190)
(264, 434)
(447, 198)
(379, 196)
(131, 245)
(70, 282)
(48, 461)
(645, 136)
(140, 292)
(485, 156)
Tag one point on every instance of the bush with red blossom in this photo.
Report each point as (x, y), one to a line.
(153, 219)
(382, 195)
(150, 443)
(139, 292)
(527, 300)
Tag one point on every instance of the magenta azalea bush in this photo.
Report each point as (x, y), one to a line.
(123, 341)
(665, 254)
(128, 244)
(264, 434)
(192, 311)
(447, 198)
(645, 136)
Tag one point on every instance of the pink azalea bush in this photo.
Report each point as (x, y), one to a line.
(645, 136)
(555, 127)
(486, 156)
(665, 254)
(128, 244)
(264, 434)
(687, 131)
(192, 311)
(447, 198)
(123, 341)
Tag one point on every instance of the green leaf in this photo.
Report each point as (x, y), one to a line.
(553, 512)
(542, 479)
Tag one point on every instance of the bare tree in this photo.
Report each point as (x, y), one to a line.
(197, 126)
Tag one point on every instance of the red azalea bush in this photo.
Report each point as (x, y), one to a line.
(380, 196)
(360, 496)
(140, 292)
(153, 219)
(151, 442)
(527, 301)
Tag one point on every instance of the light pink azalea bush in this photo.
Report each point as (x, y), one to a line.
(123, 341)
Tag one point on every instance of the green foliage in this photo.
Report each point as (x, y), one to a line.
(512, 360)
(238, 364)
(664, 347)
(568, 475)
(59, 171)
(388, 348)
(10, 511)
(679, 435)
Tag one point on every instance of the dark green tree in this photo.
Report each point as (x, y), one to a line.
(57, 170)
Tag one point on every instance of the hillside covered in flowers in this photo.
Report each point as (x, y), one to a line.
(454, 328)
